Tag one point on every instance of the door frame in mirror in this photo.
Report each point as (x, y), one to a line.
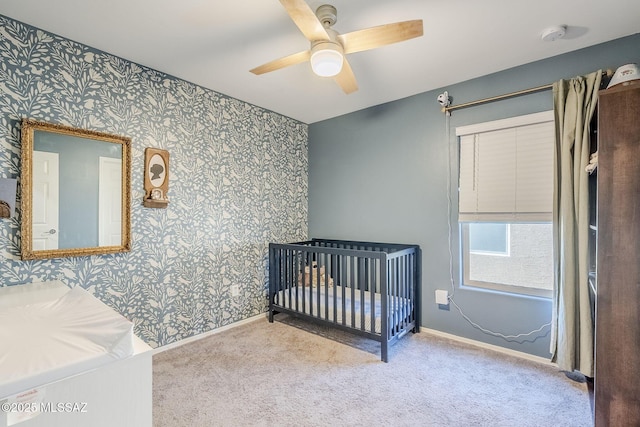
(28, 129)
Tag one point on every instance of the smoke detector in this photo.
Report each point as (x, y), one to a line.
(554, 33)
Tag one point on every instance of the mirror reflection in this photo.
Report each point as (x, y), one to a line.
(75, 191)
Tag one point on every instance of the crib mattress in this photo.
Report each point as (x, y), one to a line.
(361, 303)
(48, 333)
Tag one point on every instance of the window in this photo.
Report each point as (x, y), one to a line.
(505, 204)
(526, 267)
(489, 238)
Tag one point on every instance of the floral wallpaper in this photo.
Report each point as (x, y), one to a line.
(238, 180)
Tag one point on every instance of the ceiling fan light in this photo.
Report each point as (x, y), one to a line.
(326, 59)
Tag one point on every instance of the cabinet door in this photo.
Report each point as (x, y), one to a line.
(617, 387)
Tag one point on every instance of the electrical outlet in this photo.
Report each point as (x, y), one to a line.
(235, 290)
(442, 297)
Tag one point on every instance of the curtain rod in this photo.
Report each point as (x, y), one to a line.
(607, 73)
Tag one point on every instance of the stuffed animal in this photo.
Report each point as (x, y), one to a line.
(311, 275)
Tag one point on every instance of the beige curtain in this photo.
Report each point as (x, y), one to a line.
(572, 327)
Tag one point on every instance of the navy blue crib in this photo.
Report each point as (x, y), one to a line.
(370, 289)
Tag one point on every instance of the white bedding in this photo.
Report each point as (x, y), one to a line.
(48, 333)
(311, 301)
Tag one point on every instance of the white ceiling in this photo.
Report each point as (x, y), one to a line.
(216, 43)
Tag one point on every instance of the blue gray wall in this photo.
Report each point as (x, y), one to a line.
(380, 174)
(238, 180)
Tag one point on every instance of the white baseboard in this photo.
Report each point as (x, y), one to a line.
(209, 333)
(497, 348)
(435, 332)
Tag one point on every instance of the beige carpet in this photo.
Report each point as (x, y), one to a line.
(290, 373)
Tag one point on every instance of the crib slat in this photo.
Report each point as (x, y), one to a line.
(394, 319)
(374, 283)
(338, 282)
(400, 294)
(363, 283)
(344, 283)
(284, 283)
(306, 303)
(318, 287)
(353, 284)
(284, 276)
(397, 308)
(327, 274)
(408, 288)
(298, 261)
(402, 299)
(280, 271)
(403, 292)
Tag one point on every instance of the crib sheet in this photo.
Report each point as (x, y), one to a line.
(287, 298)
(52, 333)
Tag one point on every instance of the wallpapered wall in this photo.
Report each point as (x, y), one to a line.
(238, 180)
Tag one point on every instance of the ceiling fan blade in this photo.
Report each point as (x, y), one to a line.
(370, 38)
(305, 19)
(277, 64)
(346, 79)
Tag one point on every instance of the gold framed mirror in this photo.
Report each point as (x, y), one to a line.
(75, 191)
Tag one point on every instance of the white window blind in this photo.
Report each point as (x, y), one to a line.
(506, 170)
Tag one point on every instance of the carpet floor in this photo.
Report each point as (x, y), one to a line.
(294, 373)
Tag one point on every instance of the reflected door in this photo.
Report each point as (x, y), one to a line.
(110, 200)
(45, 200)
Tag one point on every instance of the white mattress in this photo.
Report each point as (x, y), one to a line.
(49, 332)
(311, 301)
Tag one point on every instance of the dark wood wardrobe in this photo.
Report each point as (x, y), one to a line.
(617, 342)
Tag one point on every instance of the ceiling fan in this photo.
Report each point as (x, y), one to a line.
(328, 48)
